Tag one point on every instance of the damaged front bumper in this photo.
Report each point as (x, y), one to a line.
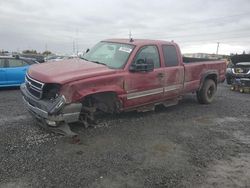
(53, 115)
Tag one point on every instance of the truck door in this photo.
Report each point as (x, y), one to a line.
(16, 71)
(145, 87)
(3, 80)
(174, 72)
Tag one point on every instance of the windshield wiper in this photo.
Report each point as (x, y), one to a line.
(84, 58)
(97, 62)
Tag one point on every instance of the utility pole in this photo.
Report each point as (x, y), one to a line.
(77, 42)
(73, 47)
(77, 47)
(217, 50)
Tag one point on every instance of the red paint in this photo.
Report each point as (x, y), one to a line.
(80, 78)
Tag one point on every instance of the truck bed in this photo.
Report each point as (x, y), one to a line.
(194, 71)
(195, 60)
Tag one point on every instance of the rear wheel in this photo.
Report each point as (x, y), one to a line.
(206, 94)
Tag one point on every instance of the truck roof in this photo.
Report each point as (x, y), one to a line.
(139, 41)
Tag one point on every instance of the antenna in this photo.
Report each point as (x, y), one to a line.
(130, 35)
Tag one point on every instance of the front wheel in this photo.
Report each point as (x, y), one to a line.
(206, 94)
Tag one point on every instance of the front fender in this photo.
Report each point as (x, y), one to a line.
(75, 93)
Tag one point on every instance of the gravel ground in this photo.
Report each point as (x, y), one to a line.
(188, 145)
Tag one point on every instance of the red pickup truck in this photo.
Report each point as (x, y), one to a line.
(116, 75)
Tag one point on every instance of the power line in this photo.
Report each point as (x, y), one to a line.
(221, 39)
(207, 34)
(204, 21)
(215, 18)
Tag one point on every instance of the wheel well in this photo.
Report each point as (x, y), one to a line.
(209, 76)
(104, 101)
(212, 77)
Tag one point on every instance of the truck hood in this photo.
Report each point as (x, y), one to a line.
(66, 71)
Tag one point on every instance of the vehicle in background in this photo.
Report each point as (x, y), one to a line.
(229, 73)
(240, 77)
(5, 53)
(13, 70)
(238, 68)
(116, 75)
(39, 58)
(55, 58)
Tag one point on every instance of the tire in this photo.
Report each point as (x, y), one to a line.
(206, 94)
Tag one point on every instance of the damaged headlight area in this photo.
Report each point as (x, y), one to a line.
(51, 91)
(58, 104)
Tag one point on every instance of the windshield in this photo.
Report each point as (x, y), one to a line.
(114, 55)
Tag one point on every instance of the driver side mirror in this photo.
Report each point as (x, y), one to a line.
(142, 65)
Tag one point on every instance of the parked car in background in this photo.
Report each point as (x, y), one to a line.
(38, 57)
(55, 58)
(13, 70)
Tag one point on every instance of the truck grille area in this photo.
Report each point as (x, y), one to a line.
(34, 87)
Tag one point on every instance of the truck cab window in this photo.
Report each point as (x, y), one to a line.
(170, 56)
(149, 52)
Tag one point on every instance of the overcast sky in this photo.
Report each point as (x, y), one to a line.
(196, 25)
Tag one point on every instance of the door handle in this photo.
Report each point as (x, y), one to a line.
(160, 75)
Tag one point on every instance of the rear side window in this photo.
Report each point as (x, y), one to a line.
(170, 56)
(2, 63)
(16, 63)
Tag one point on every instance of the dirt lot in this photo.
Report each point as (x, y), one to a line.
(188, 145)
